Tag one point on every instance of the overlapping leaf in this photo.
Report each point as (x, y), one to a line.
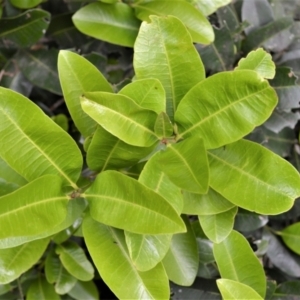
(40, 289)
(25, 4)
(208, 7)
(84, 290)
(291, 237)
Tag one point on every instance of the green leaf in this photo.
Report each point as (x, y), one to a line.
(116, 268)
(117, 22)
(253, 171)
(206, 204)
(122, 117)
(199, 27)
(247, 221)
(233, 290)
(182, 259)
(15, 261)
(78, 76)
(217, 227)
(287, 290)
(108, 152)
(236, 261)
(47, 207)
(7, 187)
(163, 127)
(40, 289)
(10, 175)
(115, 199)
(75, 261)
(146, 251)
(222, 115)
(25, 29)
(25, 4)
(259, 61)
(186, 164)
(178, 67)
(84, 290)
(209, 7)
(291, 237)
(40, 155)
(148, 93)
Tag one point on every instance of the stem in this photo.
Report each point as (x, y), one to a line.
(20, 289)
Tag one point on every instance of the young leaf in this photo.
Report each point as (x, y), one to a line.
(182, 260)
(40, 289)
(122, 117)
(259, 61)
(217, 227)
(225, 107)
(291, 237)
(78, 76)
(209, 7)
(186, 164)
(206, 204)
(116, 268)
(252, 171)
(115, 199)
(163, 127)
(46, 206)
(233, 290)
(236, 261)
(178, 67)
(199, 27)
(108, 152)
(84, 290)
(15, 261)
(25, 4)
(40, 154)
(75, 261)
(148, 93)
(117, 22)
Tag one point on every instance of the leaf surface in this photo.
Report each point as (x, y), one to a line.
(84, 290)
(208, 7)
(25, 4)
(291, 237)
(40, 289)
(163, 127)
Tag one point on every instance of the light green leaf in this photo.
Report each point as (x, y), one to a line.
(24, 4)
(206, 204)
(15, 261)
(86, 290)
(118, 200)
(291, 237)
(117, 22)
(146, 251)
(108, 152)
(217, 227)
(225, 107)
(236, 261)
(40, 289)
(186, 165)
(233, 290)
(178, 67)
(259, 61)
(116, 268)
(7, 187)
(40, 155)
(251, 171)
(182, 259)
(78, 76)
(42, 200)
(75, 261)
(163, 127)
(122, 117)
(207, 7)
(148, 93)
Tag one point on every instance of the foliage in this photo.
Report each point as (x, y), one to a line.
(165, 170)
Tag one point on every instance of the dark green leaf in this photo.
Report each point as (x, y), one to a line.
(248, 221)
(40, 289)
(24, 4)
(84, 290)
(287, 290)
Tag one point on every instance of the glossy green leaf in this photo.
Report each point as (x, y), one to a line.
(225, 107)
(206, 204)
(117, 22)
(7, 187)
(233, 290)
(116, 268)
(185, 164)
(253, 171)
(108, 152)
(115, 199)
(148, 93)
(40, 289)
(178, 67)
(40, 155)
(236, 261)
(24, 29)
(291, 237)
(78, 76)
(84, 290)
(217, 227)
(200, 29)
(208, 7)
(46, 206)
(15, 261)
(259, 61)
(181, 261)
(75, 261)
(25, 4)
(122, 117)
(163, 127)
